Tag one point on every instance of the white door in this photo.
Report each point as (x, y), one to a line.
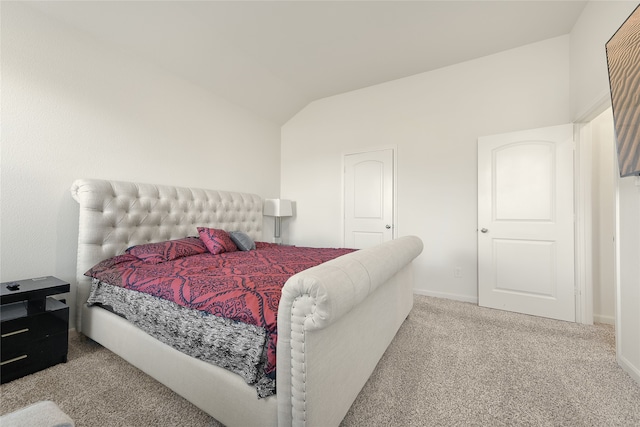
(525, 222)
(368, 198)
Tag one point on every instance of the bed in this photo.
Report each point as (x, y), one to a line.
(334, 320)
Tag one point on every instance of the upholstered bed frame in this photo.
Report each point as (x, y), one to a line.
(334, 320)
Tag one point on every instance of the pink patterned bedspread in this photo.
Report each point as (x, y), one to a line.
(243, 286)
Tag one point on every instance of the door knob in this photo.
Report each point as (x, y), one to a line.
(387, 226)
(484, 230)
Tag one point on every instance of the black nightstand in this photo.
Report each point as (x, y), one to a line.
(34, 328)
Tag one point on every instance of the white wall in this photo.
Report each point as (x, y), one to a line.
(628, 298)
(75, 108)
(595, 26)
(434, 119)
(589, 78)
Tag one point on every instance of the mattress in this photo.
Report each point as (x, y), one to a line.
(235, 346)
(219, 307)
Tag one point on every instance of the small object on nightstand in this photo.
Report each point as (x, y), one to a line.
(34, 326)
(13, 286)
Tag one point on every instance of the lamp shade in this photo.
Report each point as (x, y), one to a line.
(277, 207)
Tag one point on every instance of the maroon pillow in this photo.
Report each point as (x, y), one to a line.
(217, 241)
(155, 253)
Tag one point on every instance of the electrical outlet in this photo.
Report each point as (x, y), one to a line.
(457, 272)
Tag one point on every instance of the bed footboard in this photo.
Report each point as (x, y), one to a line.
(334, 323)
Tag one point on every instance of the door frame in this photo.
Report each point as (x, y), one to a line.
(394, 149)
(583, 172)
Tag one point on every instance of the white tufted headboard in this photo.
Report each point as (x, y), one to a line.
(116, 215)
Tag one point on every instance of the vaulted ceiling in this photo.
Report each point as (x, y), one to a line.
(275, 57)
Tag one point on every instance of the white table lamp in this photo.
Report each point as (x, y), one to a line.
(278, 208)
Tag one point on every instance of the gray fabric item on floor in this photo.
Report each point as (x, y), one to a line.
(41, 414)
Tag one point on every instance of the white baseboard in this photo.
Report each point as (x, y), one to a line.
(445, 295)
(600, 318)
(634, 372)
(597, 318)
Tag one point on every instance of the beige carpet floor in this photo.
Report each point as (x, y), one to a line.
(451, 364)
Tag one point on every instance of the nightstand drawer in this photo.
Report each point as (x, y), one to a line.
(33, 357)
(19, 331)
(50, 343)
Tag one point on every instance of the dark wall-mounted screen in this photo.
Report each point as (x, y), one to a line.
(623, 61)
